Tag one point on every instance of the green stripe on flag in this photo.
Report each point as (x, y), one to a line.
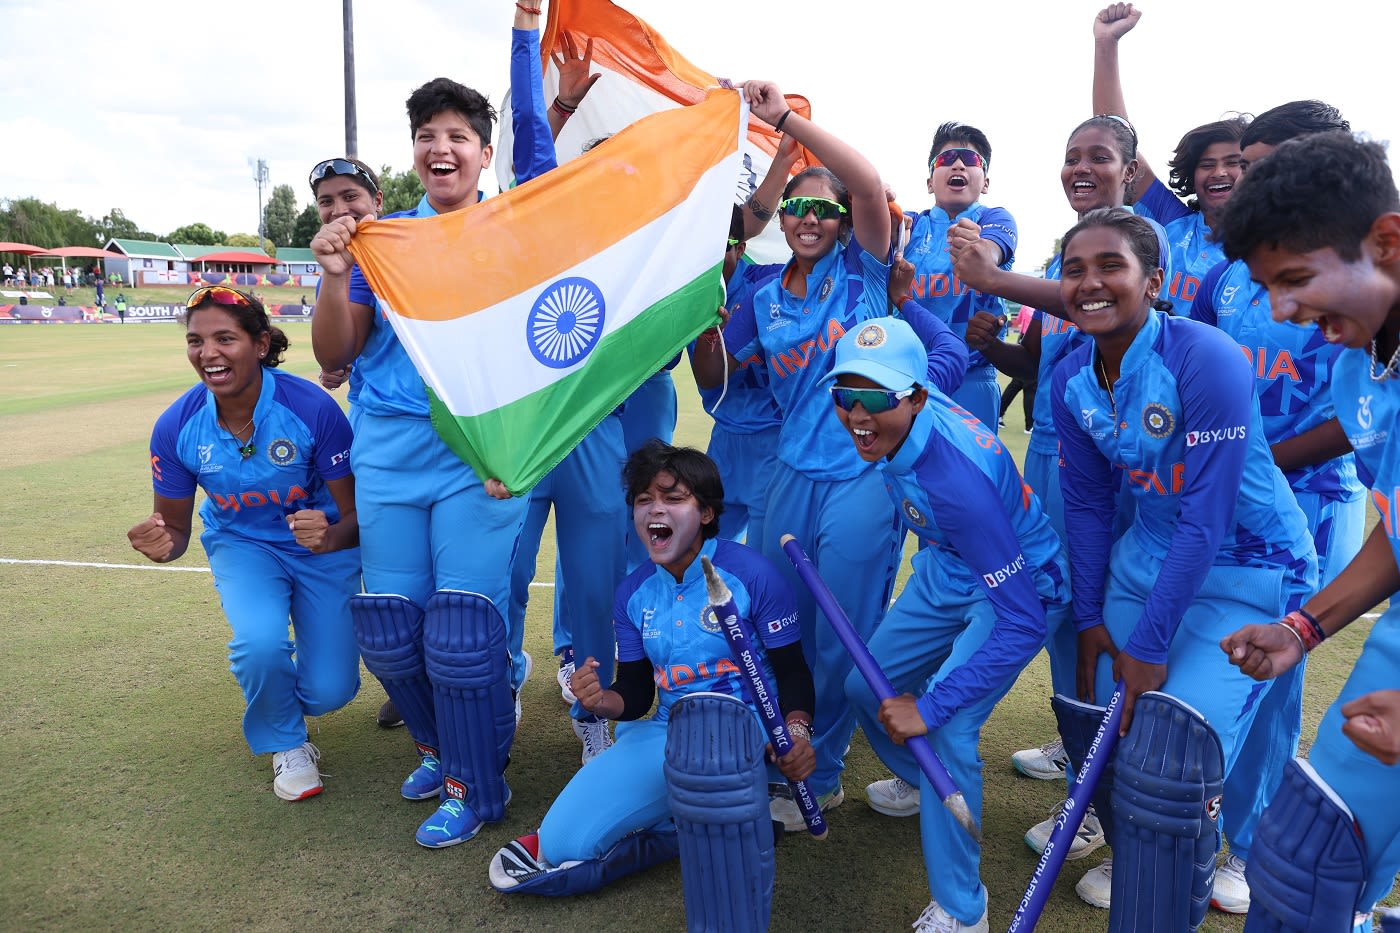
(520, 442)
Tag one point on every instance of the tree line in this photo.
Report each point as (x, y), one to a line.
(30, 220)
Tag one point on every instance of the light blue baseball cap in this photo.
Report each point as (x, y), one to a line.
(886, 351)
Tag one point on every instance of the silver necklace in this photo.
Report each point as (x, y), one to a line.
(1390, 369)
(248, 449)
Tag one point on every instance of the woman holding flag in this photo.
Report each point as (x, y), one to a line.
(837, 222)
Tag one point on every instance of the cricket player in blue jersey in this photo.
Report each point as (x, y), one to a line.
(974, 611)
(821, 491)
(744, 441)
(437, 540)
(1216, 538)
(1205, 168)
(1318, 223)
(958, 163)
(340, 187)
(1292, 369)
(1099, 169)
(614, 816)
(272, 454)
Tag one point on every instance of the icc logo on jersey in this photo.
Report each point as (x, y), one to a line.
(1157, 420)
(1363, 412)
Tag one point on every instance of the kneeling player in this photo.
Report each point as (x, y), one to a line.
(615, 817)
(974, 612)
(1318, 223)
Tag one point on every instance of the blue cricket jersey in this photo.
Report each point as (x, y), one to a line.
(936, 287)
(388, 382)
(665, 622)
(1191, 251)
(1292, 367)
(1369, 412)
(957, 488)
(301, 440)
(1183, 425)
(795, 339)
(749, 405)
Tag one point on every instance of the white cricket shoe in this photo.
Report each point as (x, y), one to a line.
(565, 678)
(294, 772)
(784, 809)
(935, 919)
(1096, 886)
(1046, 763)
(893, 797)
(1230, 892)
(596, 737)
(1086, 840)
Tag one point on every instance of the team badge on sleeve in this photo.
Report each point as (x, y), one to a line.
(912, 513)
(282, 452)
(1157, 420)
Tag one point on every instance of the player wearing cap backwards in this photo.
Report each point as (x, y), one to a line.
(1318, 223)
(974, 611)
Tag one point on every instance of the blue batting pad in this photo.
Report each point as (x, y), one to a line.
(464, 644)
(718, 788)
(389, 630)
(1307, 866)
(1079, 723)
(1169, 774)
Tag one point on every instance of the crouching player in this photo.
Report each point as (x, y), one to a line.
(615, 817)
(974, 611)
(1318, 223)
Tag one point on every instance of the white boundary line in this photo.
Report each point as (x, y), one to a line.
(84, 563)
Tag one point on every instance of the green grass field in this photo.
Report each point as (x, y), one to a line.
(131, 802)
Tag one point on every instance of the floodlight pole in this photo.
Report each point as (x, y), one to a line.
(351, 130)
(262, 178)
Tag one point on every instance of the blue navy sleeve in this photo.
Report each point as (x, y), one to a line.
(1203, 305)
(1217, 393)
(999, 227)
(947, 352)
(1160, 204)
(169, 476)
(532, 149)
(741, 332)
(772, 605)
(331, 429)
(874, 273)
(1088, 489)
(969, 510)
(629, 636)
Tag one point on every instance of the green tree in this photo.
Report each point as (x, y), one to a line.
(116, 226)
(245, 240)
(196, 234)
(401, 191)
(280, 215)
(29, 220)
(308, 222)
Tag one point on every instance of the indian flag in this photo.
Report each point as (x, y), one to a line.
(641, 73)
(533, 314)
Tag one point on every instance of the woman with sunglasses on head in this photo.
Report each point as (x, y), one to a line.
(1216, 540)
(837, 222)
(345, 188)
(272, 453)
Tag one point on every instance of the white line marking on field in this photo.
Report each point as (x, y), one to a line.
(84, 563)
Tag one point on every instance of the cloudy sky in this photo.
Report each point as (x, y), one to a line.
(157, 107)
